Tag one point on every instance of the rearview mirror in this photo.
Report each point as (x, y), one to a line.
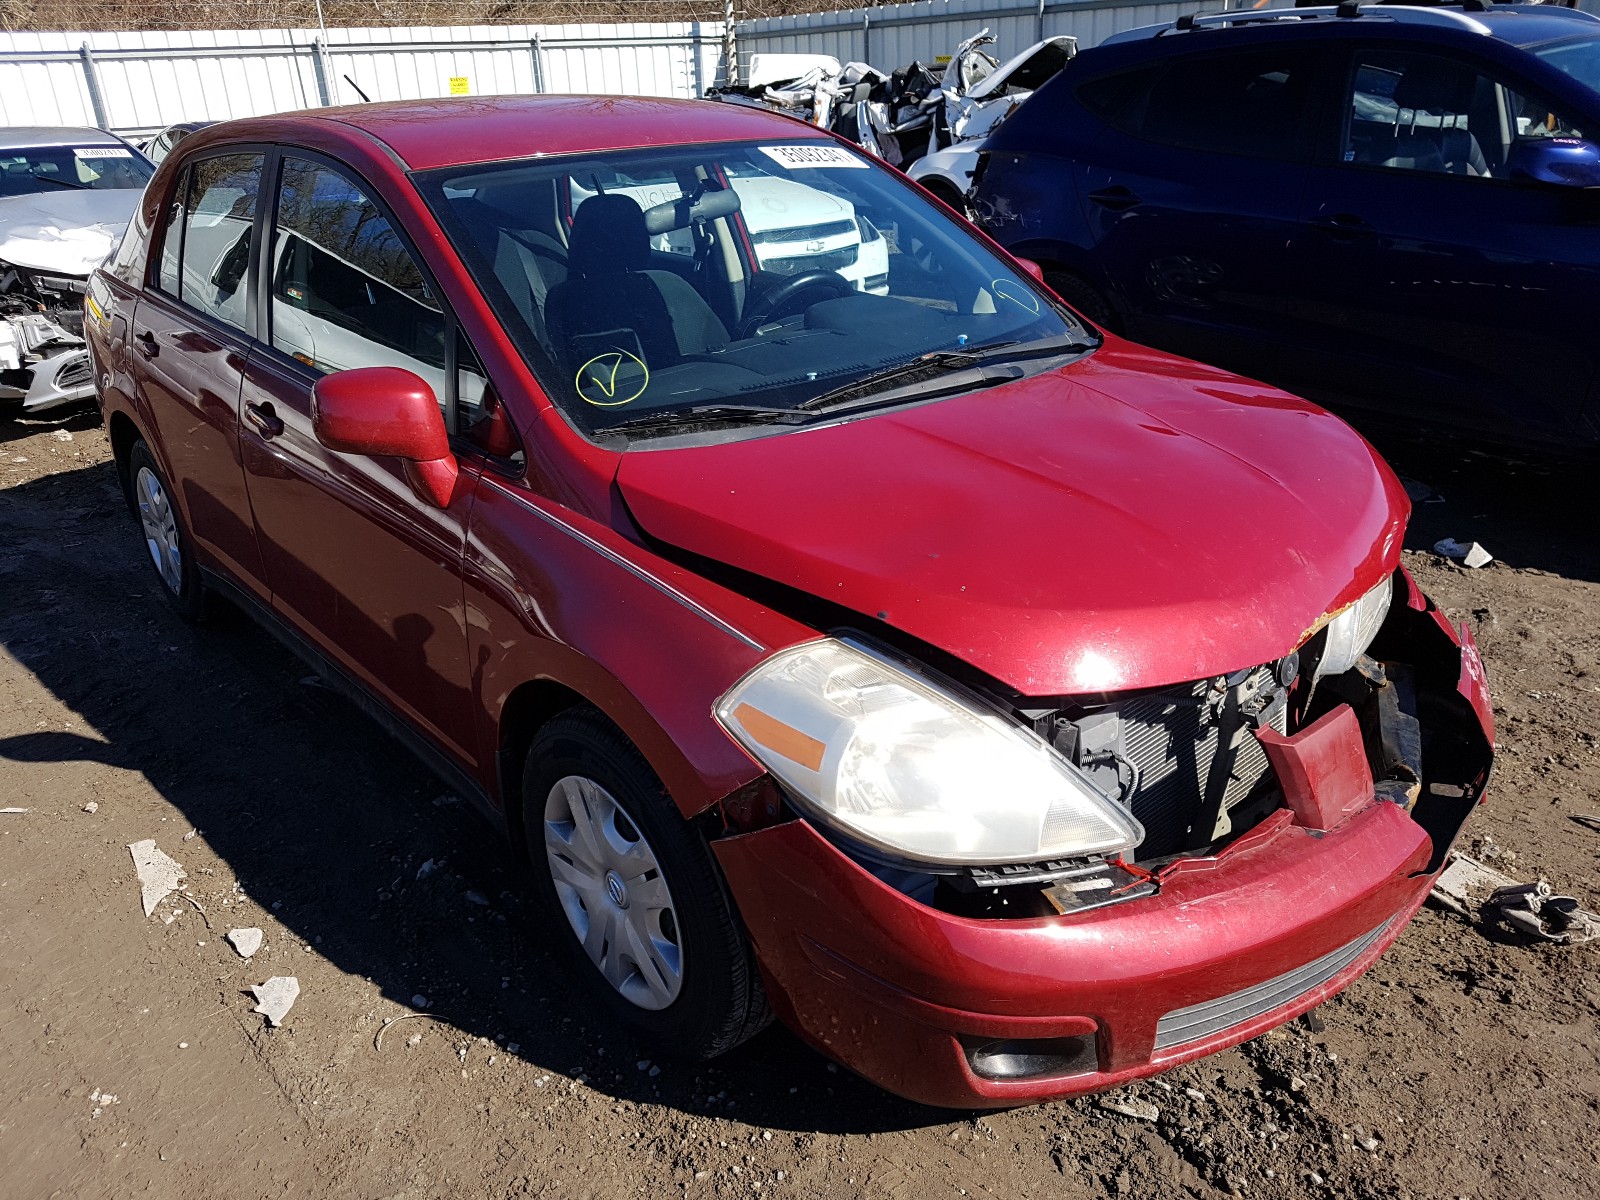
(1571, 162)
(387, 412)
(1032, 268)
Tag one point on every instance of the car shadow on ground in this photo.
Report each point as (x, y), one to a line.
(327, 827)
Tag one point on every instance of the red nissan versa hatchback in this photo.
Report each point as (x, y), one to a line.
(1012, 710)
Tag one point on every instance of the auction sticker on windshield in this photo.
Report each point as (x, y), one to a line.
(796, 157)
(102, 152)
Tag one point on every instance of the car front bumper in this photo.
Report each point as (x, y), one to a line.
(1230, 946)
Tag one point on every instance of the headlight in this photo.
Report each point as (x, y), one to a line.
(1352, 631)
(906, 765)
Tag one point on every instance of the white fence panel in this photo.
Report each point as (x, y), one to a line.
(136, 83)
(894, 35)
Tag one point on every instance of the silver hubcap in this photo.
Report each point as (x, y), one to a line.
(160, 528)
(612, 890)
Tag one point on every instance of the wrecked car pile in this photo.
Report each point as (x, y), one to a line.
(914, 111)
(66, 195)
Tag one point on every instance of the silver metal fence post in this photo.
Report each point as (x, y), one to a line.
(319, 65)
(1040, 36)
(730, 47)
(538, 64)
(866, 38)
(91, 79)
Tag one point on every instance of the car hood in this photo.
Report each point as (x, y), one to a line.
(69, 232)
(767, 204)
(1129, 521)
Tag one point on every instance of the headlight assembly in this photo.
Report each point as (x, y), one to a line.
(1352, 631)
(904, 764)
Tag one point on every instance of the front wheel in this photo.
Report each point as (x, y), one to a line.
(632, 893)
(165, 539)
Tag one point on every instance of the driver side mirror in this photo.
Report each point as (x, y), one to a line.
(1569, 162)
(388, 412)
(1032, 268)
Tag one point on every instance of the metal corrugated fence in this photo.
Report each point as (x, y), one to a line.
(136, 83)
(139, 82)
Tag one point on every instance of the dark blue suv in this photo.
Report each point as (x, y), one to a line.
(1392, 205)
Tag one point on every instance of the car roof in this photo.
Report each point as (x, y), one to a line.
(22, 137)
(1517, 24)
(455, 131)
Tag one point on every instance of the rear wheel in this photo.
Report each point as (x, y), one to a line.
(1083, 297)
(950, 194)
(632, 893)
(166, 541)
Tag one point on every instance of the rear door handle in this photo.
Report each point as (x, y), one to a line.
(146, 341)
(1345, 226)
(1117, 198)
(265, 419)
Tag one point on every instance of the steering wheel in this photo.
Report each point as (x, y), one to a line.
(769, 304)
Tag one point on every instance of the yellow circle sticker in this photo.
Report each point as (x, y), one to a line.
(596, 380)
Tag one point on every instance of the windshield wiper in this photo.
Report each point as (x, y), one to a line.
(66, 183)
(931, 372)
(662, 418)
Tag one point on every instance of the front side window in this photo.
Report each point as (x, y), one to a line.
(1257, 104)
(750, 281)
(32, 169)
(1441, 116)
(219, 218)
(346, 290)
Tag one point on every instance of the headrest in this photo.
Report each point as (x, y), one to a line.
(608, 237)
(1435, 86)
(680, 214)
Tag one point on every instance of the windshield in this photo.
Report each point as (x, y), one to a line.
(1578, 57)
(51, 168)
(732, 281)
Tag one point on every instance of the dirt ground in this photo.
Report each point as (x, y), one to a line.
(1464, 1064)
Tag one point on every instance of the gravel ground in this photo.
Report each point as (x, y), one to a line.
(1463, 1064)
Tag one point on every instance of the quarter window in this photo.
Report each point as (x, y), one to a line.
(1256, 104)
(346, 292)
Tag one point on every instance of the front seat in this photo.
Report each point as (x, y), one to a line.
(1443, 90)
(611, 300)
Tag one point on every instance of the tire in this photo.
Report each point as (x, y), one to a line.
(166, 540)
(1083, 297)
(643, 886)
(950, 195)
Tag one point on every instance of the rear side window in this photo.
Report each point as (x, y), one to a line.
(1257, 104)
(219, 234)
(346, 291)
(1110, 95)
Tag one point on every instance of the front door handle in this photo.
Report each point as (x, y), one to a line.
(265, 419)
(146, 341)
(1344, 226)
(1117, 198)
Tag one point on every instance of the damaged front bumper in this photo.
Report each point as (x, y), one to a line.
(44, 360)
(969, 1012)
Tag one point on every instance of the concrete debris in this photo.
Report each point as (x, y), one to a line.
(426, 869)
(92, 807)
(159, 875)
(191, 835)
(1142, 1110)
(61, 435)
(276, 997)
(1468, 554)
(245, 941)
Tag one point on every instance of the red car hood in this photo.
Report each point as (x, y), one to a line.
(1129, 521)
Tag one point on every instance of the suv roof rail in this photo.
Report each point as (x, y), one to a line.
(1451, 17)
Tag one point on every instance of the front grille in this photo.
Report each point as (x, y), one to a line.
(803, 233)
(1184, 1025)
(832, 260)
(1170, 741)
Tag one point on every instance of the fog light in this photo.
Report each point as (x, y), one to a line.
(1031, 1058)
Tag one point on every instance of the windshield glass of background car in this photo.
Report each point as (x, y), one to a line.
(57, 168)
(1577, 57)
(755, 274)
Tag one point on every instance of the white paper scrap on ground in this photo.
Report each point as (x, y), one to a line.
(245, 941)
(158, 875)
(276, 997)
